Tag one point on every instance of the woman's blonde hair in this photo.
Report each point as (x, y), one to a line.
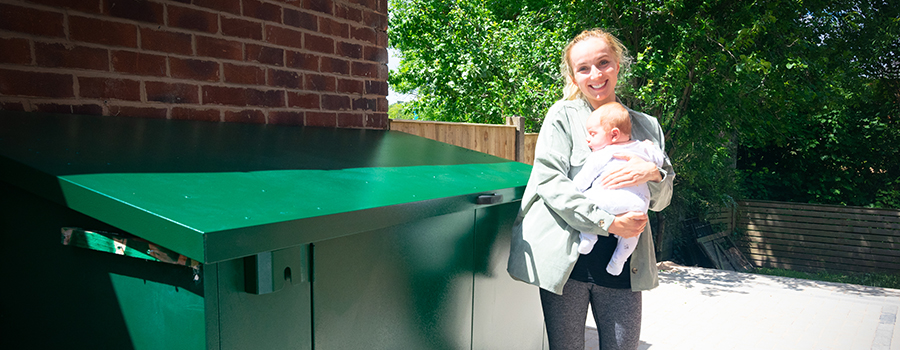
(570, 90)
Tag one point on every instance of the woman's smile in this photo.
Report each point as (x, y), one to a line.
(598, 86)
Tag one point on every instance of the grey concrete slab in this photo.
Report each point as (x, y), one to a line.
(698, 308)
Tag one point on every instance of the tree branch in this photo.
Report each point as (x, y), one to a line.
(615, 15)
(683, 101)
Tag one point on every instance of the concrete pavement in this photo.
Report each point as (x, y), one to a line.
(699, 308)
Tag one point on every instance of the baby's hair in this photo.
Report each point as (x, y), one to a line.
(613, 115)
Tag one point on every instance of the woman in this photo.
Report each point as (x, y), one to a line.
(545, 238)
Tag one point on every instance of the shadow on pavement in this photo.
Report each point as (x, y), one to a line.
(722, 281)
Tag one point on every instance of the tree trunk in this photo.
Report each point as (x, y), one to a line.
(660, 233)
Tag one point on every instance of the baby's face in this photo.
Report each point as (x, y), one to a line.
(597, 136)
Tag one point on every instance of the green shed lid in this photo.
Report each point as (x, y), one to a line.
(218, 191)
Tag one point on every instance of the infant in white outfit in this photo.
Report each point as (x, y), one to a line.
(609, 133)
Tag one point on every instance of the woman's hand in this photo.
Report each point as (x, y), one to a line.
(635, 172)
(629, 224)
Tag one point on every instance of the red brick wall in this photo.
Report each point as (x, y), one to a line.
(299, 62)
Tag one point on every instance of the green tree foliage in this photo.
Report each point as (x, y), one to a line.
(767, 99)
(400, 110)
(846, 149)
(477, 61)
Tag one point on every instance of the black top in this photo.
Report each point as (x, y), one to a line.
(591, 268)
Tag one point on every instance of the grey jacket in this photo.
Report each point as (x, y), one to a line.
(545, 239)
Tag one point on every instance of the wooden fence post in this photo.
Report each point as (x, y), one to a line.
(519, 122)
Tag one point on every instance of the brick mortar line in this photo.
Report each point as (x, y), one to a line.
(216, 106)
(30, 105)
(33, 39)
(111, 74)
(73, 101)
(66, 39)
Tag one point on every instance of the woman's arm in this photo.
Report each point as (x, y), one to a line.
(629, 224)
(635, 172)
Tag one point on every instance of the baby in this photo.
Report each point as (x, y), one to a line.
(609, 133)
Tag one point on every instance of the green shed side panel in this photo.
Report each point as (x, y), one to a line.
(404, 287)
(279, 320)
(159, 316)
(506, 313)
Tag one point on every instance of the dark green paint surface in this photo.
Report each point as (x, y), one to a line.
(405, 287)
(506, 313)
(435, 283)
(66, 297)
(218, 191)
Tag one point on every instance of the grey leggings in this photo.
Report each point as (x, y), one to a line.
(616, 311)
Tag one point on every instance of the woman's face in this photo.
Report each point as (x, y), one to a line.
(595, 70)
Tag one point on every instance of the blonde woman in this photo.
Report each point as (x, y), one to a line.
(543, 251)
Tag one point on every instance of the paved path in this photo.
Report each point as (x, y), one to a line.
(698, 308)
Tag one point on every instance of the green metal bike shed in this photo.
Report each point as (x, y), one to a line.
(132, 233)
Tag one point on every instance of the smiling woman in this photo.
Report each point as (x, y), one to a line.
(543, 248)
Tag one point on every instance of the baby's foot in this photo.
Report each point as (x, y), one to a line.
(613, 268)
(585, 246)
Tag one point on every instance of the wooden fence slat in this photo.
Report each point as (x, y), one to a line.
(802, 238)
(800, 235)
(820, 230)
(888, 234)
(816, 230)
(820, 207)
(854, 219)
(781, 250)
(806, 257)
(798, 256)
(808, 266)
(812, 232)
(860, 253)
(812, 265)
(830, 244)
(528, 152)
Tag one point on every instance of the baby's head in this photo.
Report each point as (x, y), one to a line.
(608, 124)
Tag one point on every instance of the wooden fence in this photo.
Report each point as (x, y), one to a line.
(807, 237)
(504, 141)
